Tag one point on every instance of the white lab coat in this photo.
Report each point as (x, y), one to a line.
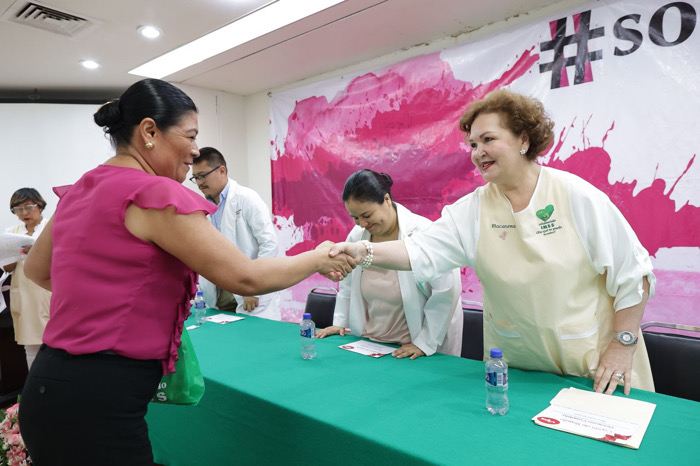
(246, 223)
(433, 309)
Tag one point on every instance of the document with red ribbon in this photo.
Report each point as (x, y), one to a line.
(609, 418)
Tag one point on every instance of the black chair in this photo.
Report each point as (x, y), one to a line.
(675, 360)
(473, 332)
(320, 303)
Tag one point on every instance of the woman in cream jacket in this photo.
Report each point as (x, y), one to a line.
(29, 303)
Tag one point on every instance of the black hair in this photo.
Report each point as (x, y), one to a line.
(23, 195)
(367, 185)
(211, 156)
(148, 98)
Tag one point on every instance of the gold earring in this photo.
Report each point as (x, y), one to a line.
(149, 145)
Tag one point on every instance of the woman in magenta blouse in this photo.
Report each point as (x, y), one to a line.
(121, 255)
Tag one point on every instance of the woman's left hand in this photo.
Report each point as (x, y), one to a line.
(250, 303)
(409, 349)
(617, 359)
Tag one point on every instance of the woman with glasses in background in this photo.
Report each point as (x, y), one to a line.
(29, 303)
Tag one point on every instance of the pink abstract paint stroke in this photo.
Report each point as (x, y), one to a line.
(401, 121)
(651, 213)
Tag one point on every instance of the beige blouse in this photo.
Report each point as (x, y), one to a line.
(384, 314)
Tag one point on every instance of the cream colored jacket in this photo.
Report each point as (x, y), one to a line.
(29, 303)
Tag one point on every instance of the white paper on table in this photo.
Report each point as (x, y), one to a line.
(613, 419)
(222, 318)
(10, 245)
(368, 348)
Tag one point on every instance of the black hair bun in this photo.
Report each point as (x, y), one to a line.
(108, 115)
(388, 179)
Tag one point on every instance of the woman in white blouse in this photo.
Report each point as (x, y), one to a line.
(29, 303)
(565, 279)
(387, 306)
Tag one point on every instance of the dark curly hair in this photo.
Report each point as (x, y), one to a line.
(518, 113)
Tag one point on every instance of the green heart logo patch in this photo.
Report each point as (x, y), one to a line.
(544, 214)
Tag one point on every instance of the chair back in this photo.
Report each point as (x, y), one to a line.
(320, 303)
(473, 334)
(674, 360)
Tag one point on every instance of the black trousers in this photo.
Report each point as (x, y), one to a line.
(88, 409)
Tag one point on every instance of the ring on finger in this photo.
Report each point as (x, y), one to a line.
(619, 375)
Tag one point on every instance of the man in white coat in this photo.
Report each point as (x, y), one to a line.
(244, 219)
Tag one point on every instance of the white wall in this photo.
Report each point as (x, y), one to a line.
(47, 145)
(257, 119)
(222, 125)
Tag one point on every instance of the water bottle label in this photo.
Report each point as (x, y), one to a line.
(497, 379)
(307, 332)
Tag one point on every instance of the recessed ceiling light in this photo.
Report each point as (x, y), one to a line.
(267, 19)
(89, 64)
(149, 32)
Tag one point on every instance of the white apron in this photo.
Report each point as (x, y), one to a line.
(544, 305)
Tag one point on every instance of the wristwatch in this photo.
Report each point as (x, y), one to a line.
(626, 338)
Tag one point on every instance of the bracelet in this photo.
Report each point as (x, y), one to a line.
(370, 254)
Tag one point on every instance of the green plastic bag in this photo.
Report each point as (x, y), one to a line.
(186, 385)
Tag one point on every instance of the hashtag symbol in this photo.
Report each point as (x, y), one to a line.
(583, 58)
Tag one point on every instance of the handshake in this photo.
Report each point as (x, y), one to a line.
(337, 260)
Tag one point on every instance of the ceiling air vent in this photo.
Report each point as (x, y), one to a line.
(49, 19)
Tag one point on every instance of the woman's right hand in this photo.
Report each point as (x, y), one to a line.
(328, 331)
(356, 250)
(337, 267)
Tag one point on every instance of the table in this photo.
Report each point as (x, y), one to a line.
(264, 404)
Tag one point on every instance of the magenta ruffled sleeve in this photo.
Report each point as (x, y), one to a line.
(164, 192)
(61, 190)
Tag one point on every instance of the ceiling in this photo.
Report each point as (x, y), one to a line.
(44, 65)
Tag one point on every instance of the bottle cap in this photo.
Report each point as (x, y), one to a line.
(496, 353)
(307, 315)
(200, 293)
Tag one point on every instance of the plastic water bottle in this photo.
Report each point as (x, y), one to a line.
(496, 383)
(200, 308)
(308, 337)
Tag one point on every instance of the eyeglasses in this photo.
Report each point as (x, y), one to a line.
(198, 179)
(26, 208)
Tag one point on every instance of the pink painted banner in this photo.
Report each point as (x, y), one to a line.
(623, 94)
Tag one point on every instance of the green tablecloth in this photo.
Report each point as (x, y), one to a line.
(264, 404)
